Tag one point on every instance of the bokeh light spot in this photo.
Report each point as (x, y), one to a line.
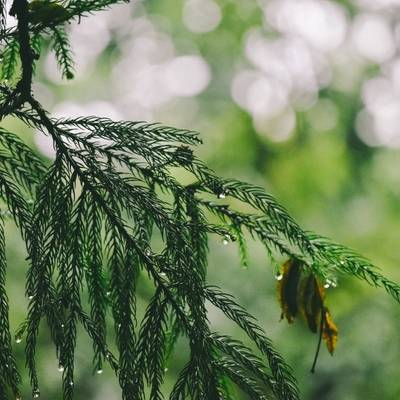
(187, 75)
(201, 16)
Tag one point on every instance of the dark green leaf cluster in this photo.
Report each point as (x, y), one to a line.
(89, 221)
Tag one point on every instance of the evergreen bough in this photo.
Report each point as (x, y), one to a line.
(88, 221)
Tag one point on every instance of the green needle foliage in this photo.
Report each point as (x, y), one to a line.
(89, 219)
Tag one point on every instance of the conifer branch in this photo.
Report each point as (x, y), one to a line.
(282, 373)
(63, 52)
(89, 219)
(8, 367)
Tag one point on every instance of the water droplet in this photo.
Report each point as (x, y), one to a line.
(99, 371)
(108, 293)
(279, 276)
(36, 394)
(6, 365)
(19, 397)
(332, 282)
(221, 195)
(342, 262)
(165, 369)
(225, 242)
(71, 383)
(327, 284)
(148, 253)
(18, 339)
(163, 274)
(61, 367)
(30, 297)
(62, 325)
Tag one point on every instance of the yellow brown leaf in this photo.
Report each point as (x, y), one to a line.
(287, 288)
(329, 331)
(311, 299)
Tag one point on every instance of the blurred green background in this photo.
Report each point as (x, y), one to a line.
(301, 97)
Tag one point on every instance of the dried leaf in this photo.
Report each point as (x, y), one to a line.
(306, 294)
(329, 331)
(287, 288)
(311, 299)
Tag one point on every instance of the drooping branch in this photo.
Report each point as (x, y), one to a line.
(96, 210)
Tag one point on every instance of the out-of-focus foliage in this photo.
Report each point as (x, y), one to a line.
(299, 96)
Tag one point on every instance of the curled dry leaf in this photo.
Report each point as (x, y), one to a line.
(299, 291)
(287, 289)
(329, 331)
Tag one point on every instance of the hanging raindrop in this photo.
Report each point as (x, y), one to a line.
(36, 394)
(327, 284)
(222, 195)
(226, 239)
(99, 371)
(279, 276)
(18, 339)
(61, 368)
(30, 297)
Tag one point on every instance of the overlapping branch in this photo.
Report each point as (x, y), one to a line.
(95, 211)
